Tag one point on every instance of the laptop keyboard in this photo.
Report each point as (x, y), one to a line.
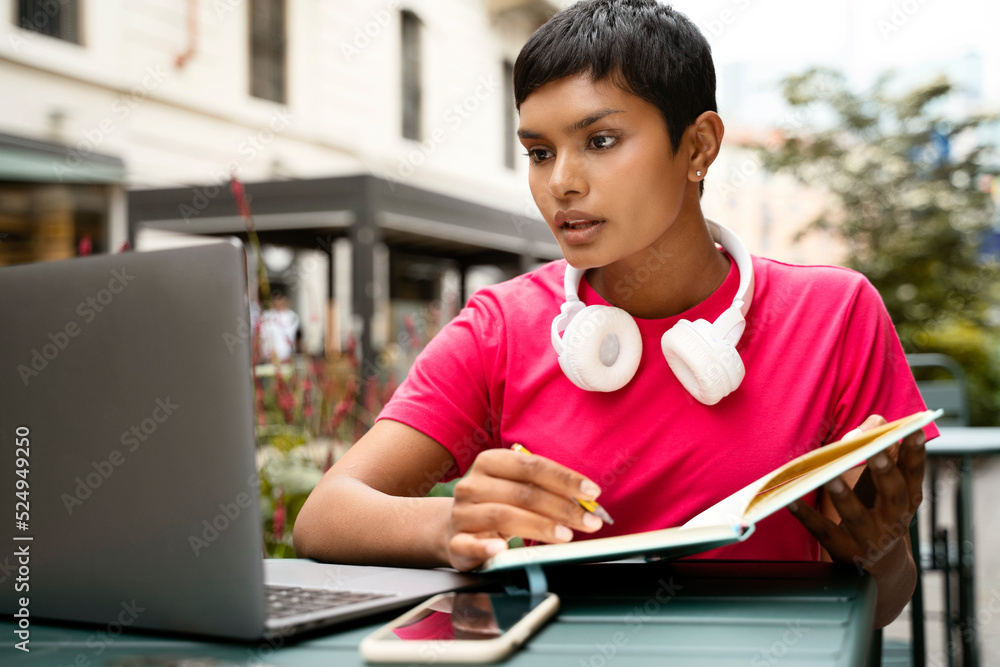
(284, 601)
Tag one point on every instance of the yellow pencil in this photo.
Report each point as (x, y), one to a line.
(588, 505)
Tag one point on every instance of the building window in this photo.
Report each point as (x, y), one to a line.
(267, 49)
(510, 143)
(55, 18)
(411, 75)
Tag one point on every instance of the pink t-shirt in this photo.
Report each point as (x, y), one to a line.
(820, 352)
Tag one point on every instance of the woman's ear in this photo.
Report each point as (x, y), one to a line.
(706, 139)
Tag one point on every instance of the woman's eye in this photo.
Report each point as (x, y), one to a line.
(603, 141)
(538, 155)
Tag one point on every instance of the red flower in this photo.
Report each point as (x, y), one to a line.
(351, 350)
(240, 195)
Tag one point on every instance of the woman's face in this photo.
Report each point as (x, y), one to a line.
(602, 170)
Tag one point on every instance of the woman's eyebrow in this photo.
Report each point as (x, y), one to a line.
(575, 127)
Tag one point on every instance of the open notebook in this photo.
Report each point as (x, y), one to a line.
(731, 519)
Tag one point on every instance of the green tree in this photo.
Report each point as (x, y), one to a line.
(909, 192)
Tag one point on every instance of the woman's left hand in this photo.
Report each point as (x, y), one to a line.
(872, 537)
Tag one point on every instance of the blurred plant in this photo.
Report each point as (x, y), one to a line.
(910, 189)
(309, 411)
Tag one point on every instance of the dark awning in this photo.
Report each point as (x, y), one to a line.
(33, 161)
(296, 211)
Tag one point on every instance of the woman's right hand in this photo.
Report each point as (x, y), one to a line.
(507, 493)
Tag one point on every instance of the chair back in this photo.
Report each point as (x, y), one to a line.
(944, 394)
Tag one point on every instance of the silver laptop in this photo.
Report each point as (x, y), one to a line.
(127, 410)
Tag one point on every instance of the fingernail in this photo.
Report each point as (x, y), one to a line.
(493, 547)
(589, 489)
(592, 521)
(794, 506)
(563, 534)
(836, 485)
(881, 462)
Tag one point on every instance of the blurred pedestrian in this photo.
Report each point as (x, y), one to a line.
(279, 327)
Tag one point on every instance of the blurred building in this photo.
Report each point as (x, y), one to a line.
(376, 138)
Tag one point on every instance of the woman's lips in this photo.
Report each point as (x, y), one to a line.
(575, 232)
(579, 224)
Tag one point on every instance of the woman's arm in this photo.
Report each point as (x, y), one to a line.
(370, 507)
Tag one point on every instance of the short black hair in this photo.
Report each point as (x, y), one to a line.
(647, 49)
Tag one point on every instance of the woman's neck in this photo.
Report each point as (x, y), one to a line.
(676, 272)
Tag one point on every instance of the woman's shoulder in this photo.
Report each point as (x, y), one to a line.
(809, 277)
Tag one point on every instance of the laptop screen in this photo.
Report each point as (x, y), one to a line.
(135, 409)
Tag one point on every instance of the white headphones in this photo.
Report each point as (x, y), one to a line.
(600, 346)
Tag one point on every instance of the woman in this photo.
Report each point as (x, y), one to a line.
(618, 119)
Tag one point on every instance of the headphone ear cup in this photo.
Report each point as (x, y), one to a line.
(601, 349)
(709, 368)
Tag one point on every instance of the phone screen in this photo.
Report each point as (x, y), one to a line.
(466, 616)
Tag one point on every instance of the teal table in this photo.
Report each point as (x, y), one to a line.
(684, 613)
(962, 443)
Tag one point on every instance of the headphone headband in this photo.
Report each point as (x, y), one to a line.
(571, 283)
(732, 244)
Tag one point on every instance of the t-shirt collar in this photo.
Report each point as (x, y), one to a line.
(709, 309)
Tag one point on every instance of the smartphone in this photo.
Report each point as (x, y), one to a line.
(460, 627)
